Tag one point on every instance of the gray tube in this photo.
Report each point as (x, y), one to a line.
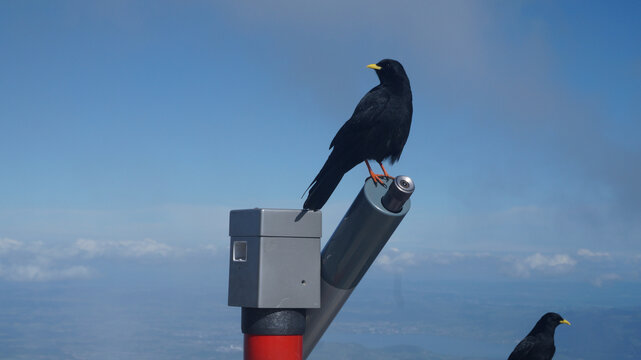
(318, 320)
(355, 244)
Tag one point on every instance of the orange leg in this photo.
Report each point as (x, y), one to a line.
(376, 178)
(384, 171)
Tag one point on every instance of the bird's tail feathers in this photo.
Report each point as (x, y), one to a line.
(324, 184)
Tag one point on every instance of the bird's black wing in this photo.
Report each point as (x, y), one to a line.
(523, 348)
(364, 117)
(351, 136)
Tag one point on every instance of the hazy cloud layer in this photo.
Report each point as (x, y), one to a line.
(147, 247)
(515, 265)
(38, 261)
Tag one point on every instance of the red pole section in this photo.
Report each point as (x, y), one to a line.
(273, 347)
(273, 334)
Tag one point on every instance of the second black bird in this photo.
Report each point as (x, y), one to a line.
(377, 130)
(539, 343)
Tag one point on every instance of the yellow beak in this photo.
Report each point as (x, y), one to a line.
(374, 66)
(565, 322)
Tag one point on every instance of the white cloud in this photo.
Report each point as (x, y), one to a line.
(550, 264)
(211, 248)
(394, 260)
(7, 245)
(539, 261)
(592, 254)
(601, 279)
(90, 248)
(146, 247)
(34, 272)
(232, 348)
(132, 248)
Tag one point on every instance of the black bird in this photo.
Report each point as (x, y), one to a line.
(377, 130)
(539, 343)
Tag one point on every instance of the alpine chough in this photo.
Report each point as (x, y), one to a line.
(377, 130)
(539, 343)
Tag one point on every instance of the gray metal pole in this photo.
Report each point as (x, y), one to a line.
(355, 244)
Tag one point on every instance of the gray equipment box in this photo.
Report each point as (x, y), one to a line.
(274, 258)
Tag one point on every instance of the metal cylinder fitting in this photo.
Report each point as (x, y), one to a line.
(397, 194)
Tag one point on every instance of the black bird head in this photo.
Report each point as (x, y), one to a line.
(390, 73)
(549, 322)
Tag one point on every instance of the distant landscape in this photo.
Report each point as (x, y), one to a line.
(177, 310)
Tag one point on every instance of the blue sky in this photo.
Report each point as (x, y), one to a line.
(132, 128)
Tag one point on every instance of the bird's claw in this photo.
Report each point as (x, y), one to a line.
(377, 179)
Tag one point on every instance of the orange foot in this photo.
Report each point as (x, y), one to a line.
(376, 177)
